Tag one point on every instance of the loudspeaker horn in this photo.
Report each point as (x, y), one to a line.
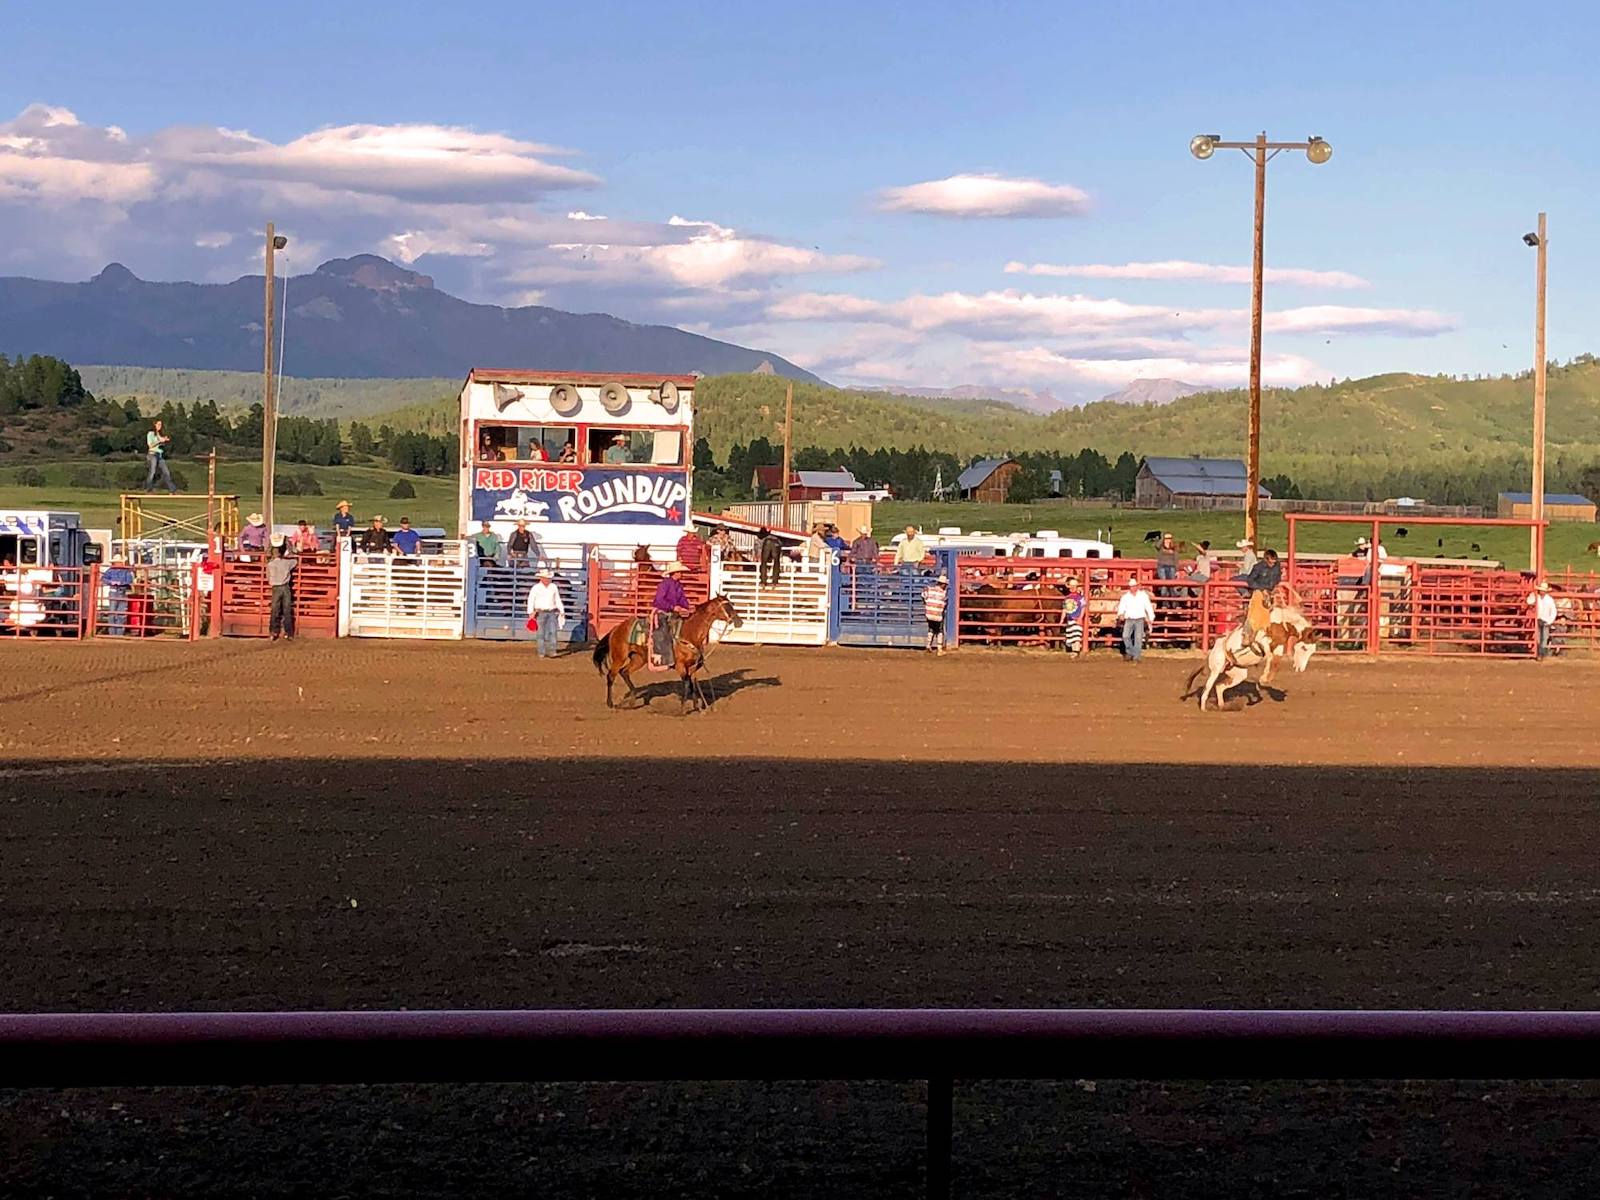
(505, 397)
(667, 396)
(564, 399)
(613, 397)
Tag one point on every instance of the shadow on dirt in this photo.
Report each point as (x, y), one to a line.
(716, 688)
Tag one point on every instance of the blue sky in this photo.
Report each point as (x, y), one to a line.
(460, 140)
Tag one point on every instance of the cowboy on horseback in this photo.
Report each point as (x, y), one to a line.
(1262, 580)
(667, 610)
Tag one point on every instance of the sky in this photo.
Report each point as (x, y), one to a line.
(933, 195)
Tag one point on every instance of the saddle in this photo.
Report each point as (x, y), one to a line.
(663, 636)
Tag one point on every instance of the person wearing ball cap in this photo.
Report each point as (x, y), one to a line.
(667, 609)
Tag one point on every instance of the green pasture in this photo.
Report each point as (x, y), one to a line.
(1125, 528)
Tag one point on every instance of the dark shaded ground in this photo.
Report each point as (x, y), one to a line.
(644, 882)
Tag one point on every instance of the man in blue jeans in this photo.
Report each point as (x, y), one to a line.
(546, 612)
(119, 581)
(155, 446)
(1136, 611)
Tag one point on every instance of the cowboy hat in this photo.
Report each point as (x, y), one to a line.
(943, 578)
(1243, 543)
(544, 573)
(1361, 541)
(254, 519)
(1133, 581)
(1543, 585)
(621, 437)
(674, 568)
(342, 504)
(277, 539)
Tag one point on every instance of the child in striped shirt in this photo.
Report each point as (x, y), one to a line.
(933, 601)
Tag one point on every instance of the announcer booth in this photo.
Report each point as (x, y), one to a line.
(598, 465)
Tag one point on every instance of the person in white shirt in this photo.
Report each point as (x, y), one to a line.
(545, 612)
(1545, 614)
(1135, 610)
(1247, 555)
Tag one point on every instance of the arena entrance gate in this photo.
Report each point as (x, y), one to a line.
(791, 610)
(403, 596)
(880, 604)
(241, 600)
(497, 597)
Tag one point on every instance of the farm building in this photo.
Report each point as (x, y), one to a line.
(1191, 483)
(988, 479)
(804, 485)
(1558, 506)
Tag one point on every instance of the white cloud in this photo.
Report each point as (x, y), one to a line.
(986, 196)
(1039, 364)
(1178, 270)
(580, 215)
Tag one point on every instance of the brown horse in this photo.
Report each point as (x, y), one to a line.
(626, 648)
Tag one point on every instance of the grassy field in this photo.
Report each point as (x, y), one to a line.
(1125, 528)
(367, 489)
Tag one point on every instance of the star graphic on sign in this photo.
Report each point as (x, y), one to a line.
(674, 512)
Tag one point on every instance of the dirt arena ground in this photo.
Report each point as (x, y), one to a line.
(186, 827)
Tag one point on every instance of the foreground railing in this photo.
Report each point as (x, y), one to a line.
(941, 1046)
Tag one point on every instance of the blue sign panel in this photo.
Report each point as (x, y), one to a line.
(579, 495)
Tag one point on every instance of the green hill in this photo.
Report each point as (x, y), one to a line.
(1446, 439)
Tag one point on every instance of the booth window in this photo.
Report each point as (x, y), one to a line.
(18, 551)
(610, 445)
(527, 443)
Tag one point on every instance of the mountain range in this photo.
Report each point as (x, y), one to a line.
(1140, 391)
(361, 317)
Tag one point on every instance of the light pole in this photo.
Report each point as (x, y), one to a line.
(1540, 243)
(1261, 151)
(269, 403)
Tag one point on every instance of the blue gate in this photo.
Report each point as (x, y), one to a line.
(883, 606)
(497, 598)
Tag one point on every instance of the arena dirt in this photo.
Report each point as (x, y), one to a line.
(185, 827)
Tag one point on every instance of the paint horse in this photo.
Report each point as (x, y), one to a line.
(1232, 657)
(626, 648)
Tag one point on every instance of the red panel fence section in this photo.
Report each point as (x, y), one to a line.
(144, 600)
(241, 602)
(623, 589)
(44, 601)
(1577, 596)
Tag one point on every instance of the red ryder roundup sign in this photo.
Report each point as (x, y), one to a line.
(580, 494)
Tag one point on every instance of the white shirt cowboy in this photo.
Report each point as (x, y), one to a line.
(1135, 605)
(546, 597)
(1544, 607)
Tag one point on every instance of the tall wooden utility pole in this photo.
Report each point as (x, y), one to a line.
(269, 398)
(1535, 540)
(788, 432)
(1252, 467)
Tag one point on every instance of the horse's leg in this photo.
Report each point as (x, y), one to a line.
(1212, 675)
(610, 679)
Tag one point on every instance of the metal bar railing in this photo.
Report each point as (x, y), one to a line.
(53, 1050)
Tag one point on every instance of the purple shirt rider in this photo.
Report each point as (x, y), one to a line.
(670, 596)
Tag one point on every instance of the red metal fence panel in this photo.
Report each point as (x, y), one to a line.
(43, 601)
(242, 599)
(1577, 596)
(149, 600)
(622, 589)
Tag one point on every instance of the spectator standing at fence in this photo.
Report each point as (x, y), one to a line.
(1166, 558)
(690, 550)
(1136, 611)
(722, 542)
(1545, 616)
(406, 540)
(908, 555)
(305, 540)
(864, 550)
(343, 523)
(816, 546)
(488, 543)
(155, 452)
(119, 582)
(280, 577)
(545, 612)
(1073, 603)
(837, 544)
(769, 548)
(1203, 564)
(375, 539)
(520, 544)
(934, 599)
(253, 537)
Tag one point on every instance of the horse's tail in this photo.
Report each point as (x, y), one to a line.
(1188, 688)
(602, 651)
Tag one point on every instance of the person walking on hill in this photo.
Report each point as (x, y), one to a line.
(280, 577)
(155, 444)
(1136, 611)
(934, 599)
(546, 612)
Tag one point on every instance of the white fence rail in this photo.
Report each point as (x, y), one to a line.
(791, 612)
(390, 596)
